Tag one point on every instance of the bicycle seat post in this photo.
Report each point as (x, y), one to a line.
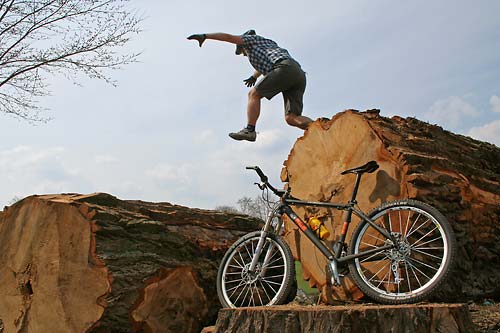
(356, 187)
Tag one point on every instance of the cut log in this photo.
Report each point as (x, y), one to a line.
(171, 302)
(73, 263)
(451, 318)
(456, 174)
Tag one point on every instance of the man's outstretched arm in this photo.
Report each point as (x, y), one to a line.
(223, 37)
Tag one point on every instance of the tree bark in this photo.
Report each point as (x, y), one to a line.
(75, 263)
(423, 318)
(456, 174)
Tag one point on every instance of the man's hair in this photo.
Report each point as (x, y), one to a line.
(239, 48)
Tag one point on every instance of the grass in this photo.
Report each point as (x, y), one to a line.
(301, 283)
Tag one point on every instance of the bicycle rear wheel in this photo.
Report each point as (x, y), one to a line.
(271, 282)
(420, 260)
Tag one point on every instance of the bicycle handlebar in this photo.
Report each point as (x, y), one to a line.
(263, 178)
(261, 174)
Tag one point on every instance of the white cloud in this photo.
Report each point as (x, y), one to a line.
(172, 174)
(29, 170)
(451, 112)
(495, 103)
(105, 159)
(489, 132)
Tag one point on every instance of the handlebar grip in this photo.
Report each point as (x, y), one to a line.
(261, 174)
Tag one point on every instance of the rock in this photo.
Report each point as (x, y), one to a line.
(450, 318)
(76, 263)
(456, 174)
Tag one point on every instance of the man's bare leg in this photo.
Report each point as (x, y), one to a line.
(253, 113)
(253, 107)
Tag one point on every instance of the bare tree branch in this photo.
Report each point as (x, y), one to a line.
(67, 37)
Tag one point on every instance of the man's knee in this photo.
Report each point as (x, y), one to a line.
(291, 119)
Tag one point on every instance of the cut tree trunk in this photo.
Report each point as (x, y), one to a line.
(445, 318)
(456, 174)
(74, 263)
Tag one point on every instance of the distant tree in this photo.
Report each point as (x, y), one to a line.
(14, 200)
(39, 38)
(227, 209)
(256, 207)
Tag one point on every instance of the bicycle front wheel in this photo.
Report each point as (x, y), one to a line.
(270, 283)
(420, 260)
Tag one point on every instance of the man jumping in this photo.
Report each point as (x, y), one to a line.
(282, 74)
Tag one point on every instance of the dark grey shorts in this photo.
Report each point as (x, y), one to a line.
(289, 79)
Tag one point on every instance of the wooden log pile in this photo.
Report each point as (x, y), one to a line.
(456, 174)
(94, 263)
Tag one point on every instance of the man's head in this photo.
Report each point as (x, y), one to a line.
(239, 48)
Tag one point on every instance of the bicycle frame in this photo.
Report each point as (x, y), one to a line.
(327, 252)
(334, 255)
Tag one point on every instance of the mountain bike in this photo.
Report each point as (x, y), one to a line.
(400, 252)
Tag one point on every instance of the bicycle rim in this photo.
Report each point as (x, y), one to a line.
(264, 286)
(410, 270)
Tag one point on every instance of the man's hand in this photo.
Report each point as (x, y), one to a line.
(250, 82)
(199, 37)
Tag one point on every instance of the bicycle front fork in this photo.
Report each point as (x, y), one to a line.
(260, 245)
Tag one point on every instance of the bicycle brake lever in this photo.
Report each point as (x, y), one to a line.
(261, 186)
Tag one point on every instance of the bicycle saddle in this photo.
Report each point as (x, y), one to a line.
(368, 167)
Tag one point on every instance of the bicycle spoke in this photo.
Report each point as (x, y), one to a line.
(235, 288)
(377, 238)
(418, 228)
(373, 255)
(432, 240)
(382, 280)
(427, 254)
(250, 254)
(407, 276)
(264, 288)
(416, 242)
(423, 263)
(258, 293)
(269, 285)
(375, 275)
(407, 224)
(276, 260)
(242, 260)
(251, 300)
(415, 267)
(400, 223)
(371, 245)
(412, 225)
(274, 276)
(272, 267)
(414, 274)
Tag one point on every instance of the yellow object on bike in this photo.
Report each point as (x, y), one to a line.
(319, 228)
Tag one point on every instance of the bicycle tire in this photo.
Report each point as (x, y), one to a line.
(420, 263)
(236, 287)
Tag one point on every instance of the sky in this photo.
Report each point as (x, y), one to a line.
(161, 135)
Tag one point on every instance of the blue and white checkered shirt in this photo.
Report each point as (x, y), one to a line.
(263, 53)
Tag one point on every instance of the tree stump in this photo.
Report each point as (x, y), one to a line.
(450, 318)
(75, 263)
(456, 174)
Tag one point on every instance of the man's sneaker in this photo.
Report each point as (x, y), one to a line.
(244, 134)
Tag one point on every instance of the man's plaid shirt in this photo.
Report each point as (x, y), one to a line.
(263, 53)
